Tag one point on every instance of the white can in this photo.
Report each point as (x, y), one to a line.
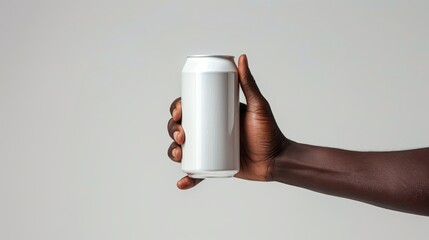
(210, 116)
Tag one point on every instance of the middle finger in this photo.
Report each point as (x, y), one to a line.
(175, 131)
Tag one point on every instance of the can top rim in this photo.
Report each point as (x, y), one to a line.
(212, 56)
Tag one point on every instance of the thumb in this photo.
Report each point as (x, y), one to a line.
(247, 82)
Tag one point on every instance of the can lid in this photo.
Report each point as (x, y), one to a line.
(211, 56)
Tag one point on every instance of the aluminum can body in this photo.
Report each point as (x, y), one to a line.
(210, 116)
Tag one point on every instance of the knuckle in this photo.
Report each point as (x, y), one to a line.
(170, 124)
(171, 108)
(170, 155)
(170, 150)
(171, 127)
(174, 104)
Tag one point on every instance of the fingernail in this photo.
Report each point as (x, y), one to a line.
(175, 134)
(174, 112)
(174, 152)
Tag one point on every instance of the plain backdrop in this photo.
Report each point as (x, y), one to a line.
(85, 89)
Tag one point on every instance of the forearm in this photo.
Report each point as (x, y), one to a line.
(396, 180)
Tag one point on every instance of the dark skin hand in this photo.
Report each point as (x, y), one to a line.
(396, 180)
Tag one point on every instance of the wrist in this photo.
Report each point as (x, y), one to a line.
(279, 160)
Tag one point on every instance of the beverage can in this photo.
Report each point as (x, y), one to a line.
(210, 116)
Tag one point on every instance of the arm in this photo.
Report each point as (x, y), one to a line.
(395, 180)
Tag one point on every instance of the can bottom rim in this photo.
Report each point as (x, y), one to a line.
(211, 174)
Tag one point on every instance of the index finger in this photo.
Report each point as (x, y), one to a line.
(176, 109)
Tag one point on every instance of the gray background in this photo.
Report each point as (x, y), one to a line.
(85, 88)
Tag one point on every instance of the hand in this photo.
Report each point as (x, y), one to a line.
(260, 138)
